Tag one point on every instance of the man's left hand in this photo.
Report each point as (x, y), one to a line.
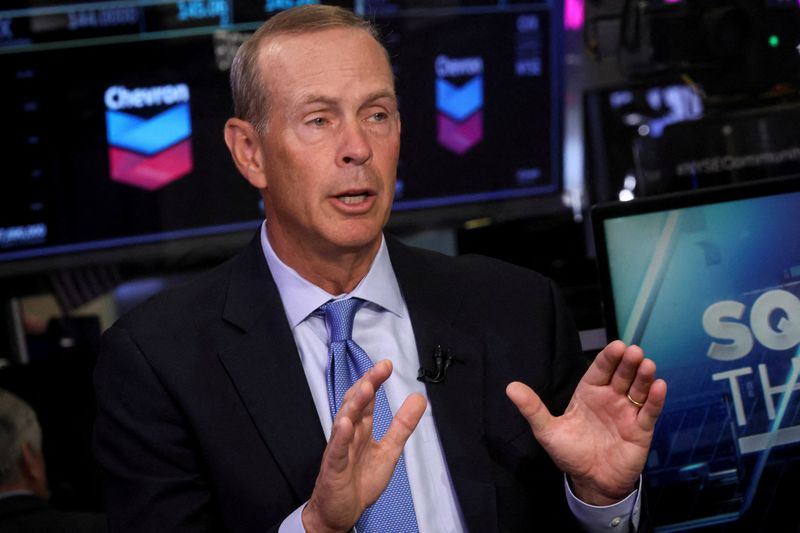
(602, 439)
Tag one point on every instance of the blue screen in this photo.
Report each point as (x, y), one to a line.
(712, 295)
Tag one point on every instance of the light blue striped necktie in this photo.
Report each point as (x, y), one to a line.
(347, 362)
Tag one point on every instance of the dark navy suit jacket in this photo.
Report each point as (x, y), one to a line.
(26, 513)
(205, 421)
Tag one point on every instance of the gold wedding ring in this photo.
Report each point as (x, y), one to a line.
(634, 402)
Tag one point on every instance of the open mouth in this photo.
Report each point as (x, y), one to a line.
(351, 199)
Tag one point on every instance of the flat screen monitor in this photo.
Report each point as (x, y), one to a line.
(480, 103)
(661, 136)
(707, 282)
(115, 110)
(623, 130)
(114, 149)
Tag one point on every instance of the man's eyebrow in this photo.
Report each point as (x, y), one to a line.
(327, 100)
(318, 99)
(377, 95)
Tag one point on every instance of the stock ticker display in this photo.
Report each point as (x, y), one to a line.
(118, 108)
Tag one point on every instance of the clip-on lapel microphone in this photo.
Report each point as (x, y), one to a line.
(441, 362)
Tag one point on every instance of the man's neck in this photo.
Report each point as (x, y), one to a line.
(336, 272)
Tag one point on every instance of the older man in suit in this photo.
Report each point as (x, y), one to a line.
(222, 404)
(23, 478)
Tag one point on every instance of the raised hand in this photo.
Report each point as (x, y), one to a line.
(602, 439)
(355, 468)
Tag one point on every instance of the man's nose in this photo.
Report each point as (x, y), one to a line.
(355, 148)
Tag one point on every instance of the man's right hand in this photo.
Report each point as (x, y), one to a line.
(355, 468)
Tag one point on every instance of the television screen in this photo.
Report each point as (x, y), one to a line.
(114, 149)
(708, 284)
(645, 139)
(624, 127)
(117, 145)
(730, 147)
(480, 117)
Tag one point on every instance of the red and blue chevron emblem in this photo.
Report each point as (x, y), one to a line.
(460, 117)
(150, 153)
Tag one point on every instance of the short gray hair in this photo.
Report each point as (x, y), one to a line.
(250, 97)
(18, 426)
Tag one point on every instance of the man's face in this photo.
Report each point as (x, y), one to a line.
(332, 141)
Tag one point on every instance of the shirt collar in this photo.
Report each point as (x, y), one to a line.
(301, 298)
(14, 493)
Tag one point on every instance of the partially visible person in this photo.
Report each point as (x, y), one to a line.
(23, 478)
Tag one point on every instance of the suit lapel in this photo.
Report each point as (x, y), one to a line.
(457, 403)
(265, 368)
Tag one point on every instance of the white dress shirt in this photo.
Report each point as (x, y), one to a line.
(382, 327)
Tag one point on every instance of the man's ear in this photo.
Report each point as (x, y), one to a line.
(34, 471)
(245, 147)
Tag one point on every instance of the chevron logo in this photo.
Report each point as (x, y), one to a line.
(460, 107)
(459, 137)
(149, 153)
(459, 102)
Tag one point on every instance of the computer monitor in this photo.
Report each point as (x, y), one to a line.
(113, 139)
(114, 115)
(480, 98)
(662, 136)
(624, 126)
(707, 282)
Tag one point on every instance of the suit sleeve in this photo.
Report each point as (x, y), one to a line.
(569, 363)
(568, 346)
(154, 477)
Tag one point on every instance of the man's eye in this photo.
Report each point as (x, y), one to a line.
(379, 117)
(318, 122)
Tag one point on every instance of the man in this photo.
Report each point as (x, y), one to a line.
(23, 478)
(218, 405)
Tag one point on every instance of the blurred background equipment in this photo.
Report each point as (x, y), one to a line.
(707, 95)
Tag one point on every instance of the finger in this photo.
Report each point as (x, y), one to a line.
(645, 375)
(379, 373)
(530, 405)
(375, 376)
(352, 427)
(404, 423)
(648, 414)
(626, 370)
(337, 453)
(362, 393)
(355, 401)
(605, 364)
(363, 421)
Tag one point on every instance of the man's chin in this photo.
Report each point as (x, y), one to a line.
(358, 239)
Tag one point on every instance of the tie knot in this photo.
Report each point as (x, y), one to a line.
(339, 317)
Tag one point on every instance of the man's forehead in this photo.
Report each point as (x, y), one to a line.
(345, 41)
(314, 62)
